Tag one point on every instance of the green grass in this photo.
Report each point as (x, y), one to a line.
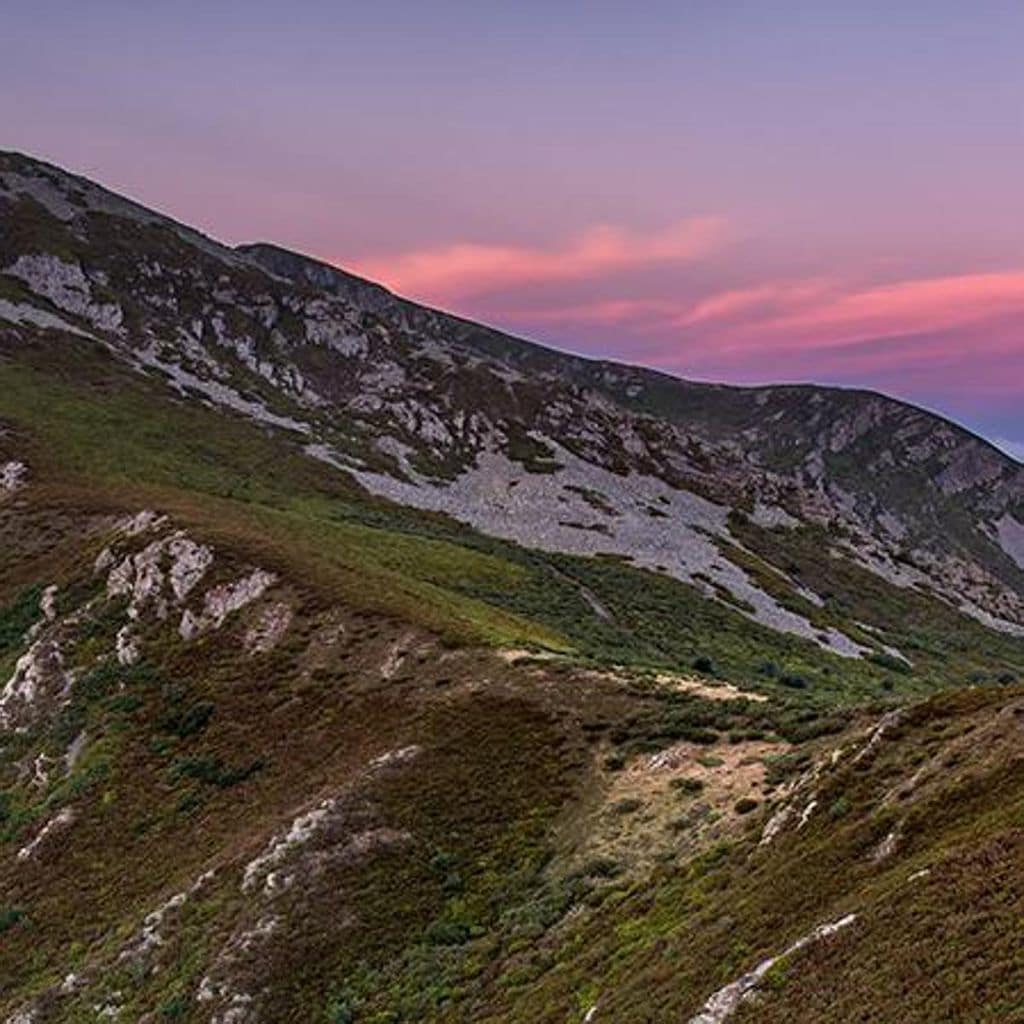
(93, 423)
(655, 949)
(198, 755)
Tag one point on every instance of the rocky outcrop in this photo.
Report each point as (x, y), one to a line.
(726, 1001)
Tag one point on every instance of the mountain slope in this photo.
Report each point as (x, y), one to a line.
(444, 414)
(274, 747)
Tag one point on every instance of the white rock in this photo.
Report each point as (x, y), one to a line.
(13, 476)
(150, 935)
(39, 668)
(126, 646)
(807, 812)
(724, 1003)
(67, 287)
(680, 539)
(26, 1015)
(22, 313)
(190, 626)
(189, 562)
(221, 601)
(72, 983)
(141, 576)
(269, 629)
(104, 560)
(60, 821)
(400, 756)
(776, 824)
(301, 830)
(887, 847)
(142, 521)
(48, 603)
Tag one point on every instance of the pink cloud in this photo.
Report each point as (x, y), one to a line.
(813, 313)
(762, 298)
(466, 268)
(634, 312)
(905, 307)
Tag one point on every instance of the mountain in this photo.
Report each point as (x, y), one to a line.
(363, 663)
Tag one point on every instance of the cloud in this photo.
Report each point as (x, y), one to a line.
(904, 307)
(814, 313)
(759, 299)
(466, 268)
(633, 312)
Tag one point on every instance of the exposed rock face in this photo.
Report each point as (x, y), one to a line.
(1010, 531)
(150, 936)
(153, 579)
(164, 574)
(261, 870)
(67, 287)
(38, 681)
(219, 602)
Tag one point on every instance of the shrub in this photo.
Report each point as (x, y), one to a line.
(601, 867)
(447, 933)
(745, 805)
(173, 1009)
(443, 862)
(453, 883)
(9, 917)
(339, 1011)
(188, 722)
(891, 662)
(687, 785)
(840, 808)
(212, 771)
(628, 806)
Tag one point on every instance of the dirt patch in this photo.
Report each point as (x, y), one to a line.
(709, 690)
(671, 804)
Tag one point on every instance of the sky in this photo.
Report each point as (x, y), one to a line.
(741, 191)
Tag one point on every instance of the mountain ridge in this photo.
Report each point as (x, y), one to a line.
(253, 250)
(393, 399)
(289, 263)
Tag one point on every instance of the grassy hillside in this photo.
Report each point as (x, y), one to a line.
(88, 424)
(346, 801)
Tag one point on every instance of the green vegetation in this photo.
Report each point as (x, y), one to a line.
(17, 618)
(9, 917)
(215, 471)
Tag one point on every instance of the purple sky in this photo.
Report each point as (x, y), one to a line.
(751, 191)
